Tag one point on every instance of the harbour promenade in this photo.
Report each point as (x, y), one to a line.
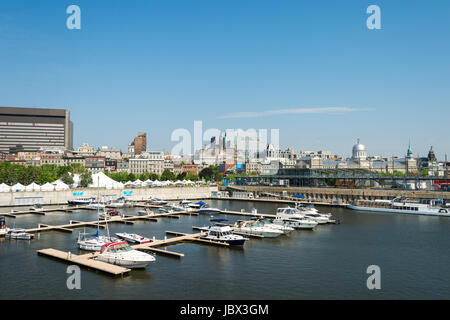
(10, 199)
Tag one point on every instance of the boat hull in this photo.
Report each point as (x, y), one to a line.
(391, 210)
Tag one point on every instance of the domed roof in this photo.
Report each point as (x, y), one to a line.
(359, 147)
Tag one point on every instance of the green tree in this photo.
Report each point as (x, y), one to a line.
(168, 175)
(207, 173)
(85, 179)
(67, 178)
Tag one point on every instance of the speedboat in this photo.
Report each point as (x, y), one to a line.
(222, 233)
(174, 207)
(190, 204)
(319, 218)
(18, 234)
(145, 212)
(121, 254)
(282, 227)
(37, 207)
(205, 208)
(296, 223)
(110, 215)
(133, 238)
(93, 242)
(81, 201)
(257, 228)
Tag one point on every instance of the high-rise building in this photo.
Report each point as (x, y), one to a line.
(140, 143)
(29, 129)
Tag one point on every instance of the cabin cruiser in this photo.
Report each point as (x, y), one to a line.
(133, 238)
(319, 218)
(121, 254)
(95, 205)
(37, 207)
(174, 207)
(205, 208)
(145, 212)
(296, 223)
(222, 233)
(18, 234)
(110, 215)
(157, 201)
(81, 201)
(258, 228)
(282, 227)
(93, 242)
(3, 229)
(190, 204)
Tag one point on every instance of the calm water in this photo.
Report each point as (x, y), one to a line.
(328, 263)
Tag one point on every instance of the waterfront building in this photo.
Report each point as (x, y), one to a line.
(95, 164)
(140, 143)
(52, 157)
(29, 129)
(110, 153)
(85, 150)
(189, 168)
(155, 161)
(138, 165)
(122, 166)
(71, 159)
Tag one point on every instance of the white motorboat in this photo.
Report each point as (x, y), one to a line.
(319, 218)
(93, 242)
(133, 238)
(296, 223)
(145, 212)
(157, 201)
(37, 207)
(189, 204)
(222, 233)
(110, 215)
(258, 228)
(205, 208)
(18, 234)
(174, 207)
(81, 201)
(121, 254)
(95, 205)
(282, 227)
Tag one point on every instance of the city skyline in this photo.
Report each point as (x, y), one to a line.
(318, 75)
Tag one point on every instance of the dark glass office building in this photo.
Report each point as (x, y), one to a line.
(29, 129)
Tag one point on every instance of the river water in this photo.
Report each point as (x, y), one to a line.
(328, 263)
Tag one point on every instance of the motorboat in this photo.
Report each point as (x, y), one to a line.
(81, 201)
(133, 238)
(282, 227)
(93, 242)
(190, 204)
(110, 214)
(222, 233)
(3, 229)
(95, 205)
(18, 234)
(157, 201)
(121, 254)
(145, 212)
(319, 218)
(174, 207)
(296, 223)
(37, 207)
(257, 228)
(288, 213)
(205, 208)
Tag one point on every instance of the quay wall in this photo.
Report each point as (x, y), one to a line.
(8, 199)
(346, 195)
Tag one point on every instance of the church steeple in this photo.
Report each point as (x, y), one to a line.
(409, 154)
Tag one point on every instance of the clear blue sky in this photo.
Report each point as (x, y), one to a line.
(156, 66)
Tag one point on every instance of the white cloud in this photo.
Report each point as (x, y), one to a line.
(258, 114)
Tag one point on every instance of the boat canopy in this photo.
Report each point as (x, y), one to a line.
(201, 203)
(300, 196)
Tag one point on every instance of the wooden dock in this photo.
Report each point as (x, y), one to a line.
(13, 213)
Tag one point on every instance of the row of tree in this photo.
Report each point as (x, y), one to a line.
(16, 173)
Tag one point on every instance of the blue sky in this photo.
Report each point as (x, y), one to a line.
(310, 68)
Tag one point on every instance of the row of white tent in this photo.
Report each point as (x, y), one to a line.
(98, 180)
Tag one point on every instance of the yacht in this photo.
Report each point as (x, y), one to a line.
(93, 242)
(205, 208)
(222, 233)
(282, 227)
(18, 234)
(133, 238)
(121, 254)
(111, 215)
(427, 207)
(81, 201)
(296, 223)
(319, 218)
(258, 228)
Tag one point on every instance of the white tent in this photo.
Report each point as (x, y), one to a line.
(128, 183)
(157, 183)
(101, 180)
(147, 183)
(33, 187)
(18, 187)
(138, 183)
(47, 187)
(59, 185)
(118, 185)
(4, 188)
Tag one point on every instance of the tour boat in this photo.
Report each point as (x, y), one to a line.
(121, 254)
(205, 208)
(18, 234)
(427, 207)
(81, 201)
(133, 238)
(110, 215)
(257, 228)
(222, 233)
(93, 242)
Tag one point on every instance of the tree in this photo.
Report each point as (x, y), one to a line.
(167, 175)
(192, 177)
(67, 178)
(207, 173)
(85, 179)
